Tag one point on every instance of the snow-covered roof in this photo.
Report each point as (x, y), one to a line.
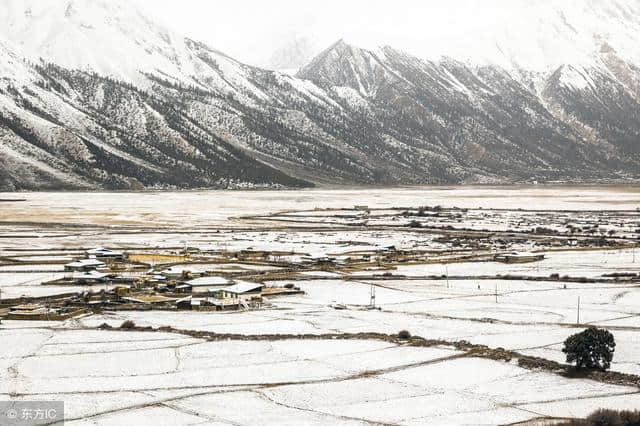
(522, 254)
(243, 287)
(85, 262)
(208, 281)
(175, 270)
(91, 275)
(101, 251)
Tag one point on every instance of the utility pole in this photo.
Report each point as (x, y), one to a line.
(446, 268)
(372, 303)
(578, 320)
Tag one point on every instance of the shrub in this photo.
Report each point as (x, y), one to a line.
(415, 224)
(630, 418)
(128, 324)
(404, 335)
(592, 348)
(604, 417)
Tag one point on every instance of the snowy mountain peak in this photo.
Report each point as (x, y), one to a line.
(344, 65)
(531, 35)
(351, 115)
(106, 37)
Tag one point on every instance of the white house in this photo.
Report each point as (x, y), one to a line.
(242, 290)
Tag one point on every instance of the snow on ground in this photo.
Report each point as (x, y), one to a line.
(27, 268)
(588, 264)
(15, 285)
(216, 207)
(110, 377)
(531, 329)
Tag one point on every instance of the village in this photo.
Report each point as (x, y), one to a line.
(221, 280)
(120, 281)
(115, 280)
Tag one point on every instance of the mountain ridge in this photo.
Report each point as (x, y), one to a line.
(350, 116)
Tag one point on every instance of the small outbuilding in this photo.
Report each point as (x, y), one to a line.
(37, 312)
(84, 265)
(517, 257)
(92, 277)
(205, 304)
(175, 273)
(105, 254)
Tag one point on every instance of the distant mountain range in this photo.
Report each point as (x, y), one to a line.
(95, 95)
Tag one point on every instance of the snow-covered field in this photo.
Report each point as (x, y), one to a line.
(215, 207)
(113, 377)
(109, 377)
(573, 263)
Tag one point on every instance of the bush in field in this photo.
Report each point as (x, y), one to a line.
(415, 224)
(404, 335)
(630, 418)
(592, 348)
(608, 418)
(128, 324)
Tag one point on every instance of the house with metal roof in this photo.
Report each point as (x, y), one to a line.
(84, 265)
(92, 277)
(105, 254)
(519, 257)
(242, 290)
(207, 284)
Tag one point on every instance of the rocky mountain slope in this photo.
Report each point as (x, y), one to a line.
(101, 97)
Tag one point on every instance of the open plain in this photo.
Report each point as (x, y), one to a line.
(488, 281)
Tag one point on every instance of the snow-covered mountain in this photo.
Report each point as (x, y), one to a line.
(93, 94)
(539, 35)
(112, 38)
(535, 35)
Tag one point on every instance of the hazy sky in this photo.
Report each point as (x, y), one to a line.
(536, 34)
(251, 30)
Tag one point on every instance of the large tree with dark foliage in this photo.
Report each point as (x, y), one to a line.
(592, 348)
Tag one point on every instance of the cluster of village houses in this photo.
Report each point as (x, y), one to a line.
(170, 288)
(115, 282)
